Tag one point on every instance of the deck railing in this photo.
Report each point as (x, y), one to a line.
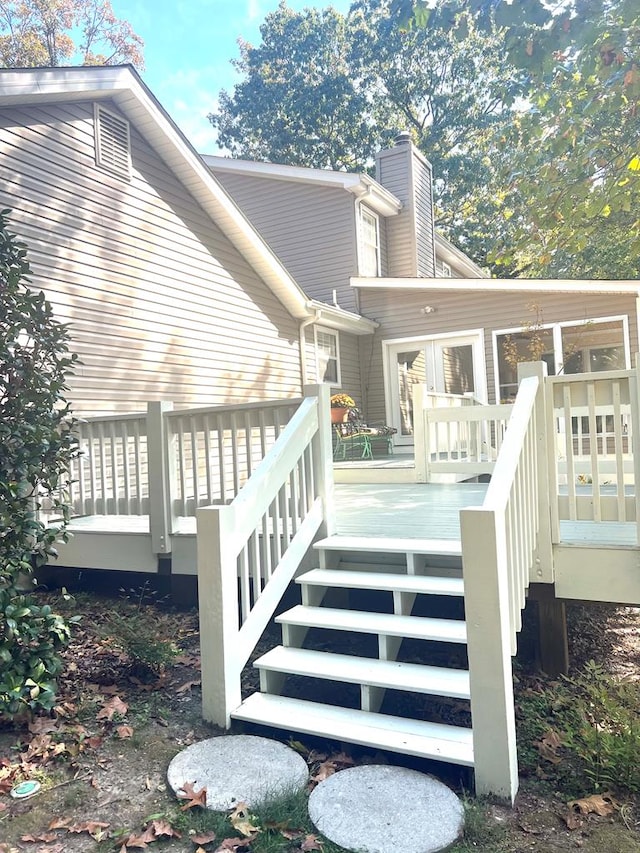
(455, 434)
(596, 469)
(504, 543)
(250, 550)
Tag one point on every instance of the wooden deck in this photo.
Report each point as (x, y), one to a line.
(396, 510)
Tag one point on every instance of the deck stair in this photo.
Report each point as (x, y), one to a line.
(376, 575)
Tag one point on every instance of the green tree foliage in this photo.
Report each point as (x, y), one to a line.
(62, 32)
(327, 90)
(571, 174)
(36, 444)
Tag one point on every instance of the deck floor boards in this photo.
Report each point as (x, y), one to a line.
(395, 510)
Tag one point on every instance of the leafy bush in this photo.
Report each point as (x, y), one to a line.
(36, 444)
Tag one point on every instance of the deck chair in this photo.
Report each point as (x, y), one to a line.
(355, 439)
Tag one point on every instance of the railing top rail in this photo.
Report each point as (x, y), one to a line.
(600, 376)
(260, 490)
(504, 472)
(234, 407)
(129, 416)
(471, 413)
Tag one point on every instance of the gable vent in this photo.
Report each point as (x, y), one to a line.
(113, 143)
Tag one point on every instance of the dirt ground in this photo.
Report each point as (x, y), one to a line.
(102, 757)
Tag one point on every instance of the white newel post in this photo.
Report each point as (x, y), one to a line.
(160, 464)
(543, 571)
(323, 458)
(219, 616)
(486, 595)
(420, 434)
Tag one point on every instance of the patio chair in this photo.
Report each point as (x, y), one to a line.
(355, 439)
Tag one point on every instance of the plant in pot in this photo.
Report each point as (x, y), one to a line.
(341, 405)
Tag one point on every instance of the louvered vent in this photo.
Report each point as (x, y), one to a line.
(113, 144)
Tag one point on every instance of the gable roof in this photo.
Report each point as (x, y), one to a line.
(122, 85)
(378, 197)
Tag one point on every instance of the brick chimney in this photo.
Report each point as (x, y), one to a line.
(405, 172)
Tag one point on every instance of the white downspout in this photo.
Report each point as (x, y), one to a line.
(303, 344)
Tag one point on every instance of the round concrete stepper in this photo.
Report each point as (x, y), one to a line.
(238, 768)
(381, 809)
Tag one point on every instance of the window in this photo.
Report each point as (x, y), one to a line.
(113, 143)
(327, 356)
(443, 270)
(369, 243)
(573, 347)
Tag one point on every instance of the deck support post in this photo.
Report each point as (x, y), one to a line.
(552, 648)
(323, 459)
(160, 479)
(543, 569)
(484, 550)
(219, 617)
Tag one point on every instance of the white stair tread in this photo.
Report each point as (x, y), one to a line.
(397, 734)
(395, 675)
(388, 624)
(439, 547)
(423, 584)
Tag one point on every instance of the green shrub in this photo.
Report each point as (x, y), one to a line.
(36, 444)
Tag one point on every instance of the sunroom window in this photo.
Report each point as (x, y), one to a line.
(369, 243)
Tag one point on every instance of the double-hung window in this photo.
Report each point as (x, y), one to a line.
(369, 228)
(327, 356)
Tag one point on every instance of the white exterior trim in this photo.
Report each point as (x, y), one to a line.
(500, 285)
(334, 334)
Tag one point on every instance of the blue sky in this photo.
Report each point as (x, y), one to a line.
(189, 45)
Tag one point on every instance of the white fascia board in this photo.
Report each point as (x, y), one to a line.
(123, 85)
(453, 255)
(362, 186)
(344, 321)
(504, 285)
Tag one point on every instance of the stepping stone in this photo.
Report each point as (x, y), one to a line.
(381, 809)
(238, 768)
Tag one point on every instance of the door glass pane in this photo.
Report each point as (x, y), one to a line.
(411, 370)
(457, 369)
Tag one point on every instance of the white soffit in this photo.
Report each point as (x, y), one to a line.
(124, 87)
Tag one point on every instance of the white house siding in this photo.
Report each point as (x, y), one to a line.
(310, 228)
(399, 315)
(161, 305)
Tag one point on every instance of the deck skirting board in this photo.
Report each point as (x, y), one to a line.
(592, 573)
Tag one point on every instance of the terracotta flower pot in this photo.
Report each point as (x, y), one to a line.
(339, 416)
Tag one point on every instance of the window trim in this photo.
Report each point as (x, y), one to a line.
(103, 161)
(375, 219)
(319, 371)
(556, 331)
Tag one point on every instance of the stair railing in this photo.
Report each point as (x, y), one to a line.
(505, 542)
(250, 550)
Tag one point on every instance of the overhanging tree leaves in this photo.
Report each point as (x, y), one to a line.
(36, 444)
(61, 32)
(572, 186)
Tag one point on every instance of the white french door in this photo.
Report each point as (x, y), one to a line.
(451, 364)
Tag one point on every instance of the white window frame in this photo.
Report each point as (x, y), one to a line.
(556, 331)
(321, 355)
(366, 245)
(103, 159)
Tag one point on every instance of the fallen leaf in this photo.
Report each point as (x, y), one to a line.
(235, 844)
(600, 804)
(311, 842)
(547, 746)
(42, 725)
(113, 706)
(163, 828)
(124, 731)
(203, 838)
(240, 819)
(184, 688)
(46, 837)
(60, 823)
(198, 798)
(93, 827)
